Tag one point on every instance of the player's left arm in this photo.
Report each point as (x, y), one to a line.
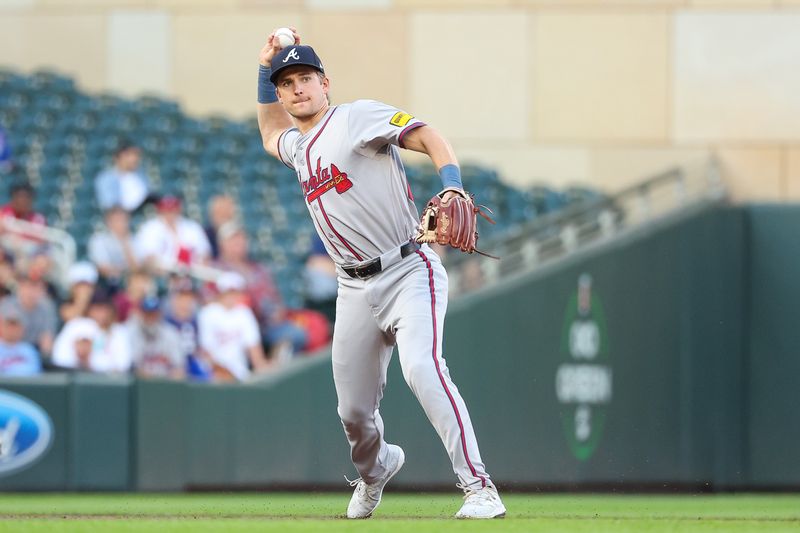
(429, 141)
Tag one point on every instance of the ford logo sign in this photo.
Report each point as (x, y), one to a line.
(26, 432)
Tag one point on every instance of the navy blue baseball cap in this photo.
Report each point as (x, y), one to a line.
(294, 55)
(150, 303)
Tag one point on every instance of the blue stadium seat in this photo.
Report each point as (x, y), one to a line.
(10, 80)
(48, 81)
(156, 105)
(157, 123)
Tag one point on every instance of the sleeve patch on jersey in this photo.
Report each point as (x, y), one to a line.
(400, 119)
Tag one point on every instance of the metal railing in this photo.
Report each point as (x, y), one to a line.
(561, 233)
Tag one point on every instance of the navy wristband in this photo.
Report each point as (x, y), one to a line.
(266, 89)
(451, 176)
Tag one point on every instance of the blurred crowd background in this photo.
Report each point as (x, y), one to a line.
(168, 298)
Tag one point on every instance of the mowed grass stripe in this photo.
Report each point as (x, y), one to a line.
(399, 504)
(378, 525)
(141, 517)
(399, 512)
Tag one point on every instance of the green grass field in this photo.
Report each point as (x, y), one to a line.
(398, 513)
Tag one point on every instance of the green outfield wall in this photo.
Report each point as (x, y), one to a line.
(668, 358)
(773, 344)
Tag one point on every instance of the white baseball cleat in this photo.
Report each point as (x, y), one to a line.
(481, 503)
(367, 496)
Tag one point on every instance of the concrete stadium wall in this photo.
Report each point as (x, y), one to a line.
(576, 91)
(680, 371)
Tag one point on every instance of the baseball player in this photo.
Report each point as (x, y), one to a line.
(392, 290)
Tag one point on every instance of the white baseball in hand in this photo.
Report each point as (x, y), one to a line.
(284, 36)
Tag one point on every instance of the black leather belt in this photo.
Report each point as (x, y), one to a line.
(370, 268)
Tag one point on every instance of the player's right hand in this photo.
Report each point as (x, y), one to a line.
(272, 47)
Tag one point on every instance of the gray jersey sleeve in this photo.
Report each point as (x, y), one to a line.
(372, 125)
(286, 146)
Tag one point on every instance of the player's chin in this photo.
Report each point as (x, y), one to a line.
(302, 112)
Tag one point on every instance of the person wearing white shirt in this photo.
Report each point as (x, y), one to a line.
(110, 343)
(73, 347)
(229, 333)
(111, 351)
(171, 240)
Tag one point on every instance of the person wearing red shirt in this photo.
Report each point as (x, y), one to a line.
(26, 244)
(21, 204)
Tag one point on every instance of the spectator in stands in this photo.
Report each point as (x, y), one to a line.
(17, 357)
(171, 242)
(82, 279)
(281, 334)
(22, 241)
(107, 341)
(321, 285)
(138, 285)
(182, 315)
(112, 249)
(36, 310)
(74, 345)
(155, 344)
(39, 265)
(20, 205)
(123, 183)
(222, 209)
(229, 333)
(111, 351)
(6, 162)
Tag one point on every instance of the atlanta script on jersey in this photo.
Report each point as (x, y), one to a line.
(352, 178)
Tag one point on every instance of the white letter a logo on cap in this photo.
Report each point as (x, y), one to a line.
(292, 55)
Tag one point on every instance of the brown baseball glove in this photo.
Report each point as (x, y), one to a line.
(452, 223)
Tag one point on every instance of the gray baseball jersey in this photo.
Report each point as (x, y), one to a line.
(356, 190)
(355, 143)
